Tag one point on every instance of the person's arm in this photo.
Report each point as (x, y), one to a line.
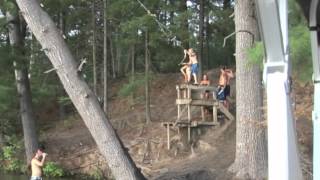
(40, 163)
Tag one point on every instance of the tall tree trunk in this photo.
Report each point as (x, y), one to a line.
(2, 141)
(132, 57)
(208, 42)
(147, 83)
(118, 62)
(201, 24)
(94, 47)
(61, 92)
(105, 58)
(251, 151)
(184, 24)
(79, 92)
(113, 57)
(133, 62)
(226, 4)
(16, 35)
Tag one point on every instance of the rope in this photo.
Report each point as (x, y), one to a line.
(163, 28)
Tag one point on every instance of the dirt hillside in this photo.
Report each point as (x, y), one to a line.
(70, 144)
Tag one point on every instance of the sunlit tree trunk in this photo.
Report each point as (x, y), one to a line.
(251, 150)
(207, 42)
(147, 83)
(184, 24)
(113, 56)
(94, 47)
(79, 92)
(201, 24)
(118, 62)
(17, 32)
(105, 58)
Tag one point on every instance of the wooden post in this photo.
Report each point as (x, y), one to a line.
(179, 106)
(168, 135)
(202, 113)
(214, 114)
(189, 115)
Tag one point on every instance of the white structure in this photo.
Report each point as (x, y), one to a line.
(314, 31)
(283, 156)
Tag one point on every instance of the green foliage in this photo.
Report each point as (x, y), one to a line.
(97, 174)
(300, 52)
(256, 54)
(132, 86)
(52, 169)
(9, 5)
(9, 157)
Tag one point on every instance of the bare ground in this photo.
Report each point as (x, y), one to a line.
(70, 144)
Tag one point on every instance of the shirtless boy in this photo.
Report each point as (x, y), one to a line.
(37, 163)
(194, 64)
(224, 85)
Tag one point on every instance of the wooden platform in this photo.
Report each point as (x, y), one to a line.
(194, 95)
(197, 102)
(184, 124)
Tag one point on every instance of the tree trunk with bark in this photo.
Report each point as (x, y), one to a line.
(251, 148)
(201, 24)
(113, 57)
(94, 47)
(147, 83)
(184, 24)
(79, 92)
(105, 58)
(17, 31)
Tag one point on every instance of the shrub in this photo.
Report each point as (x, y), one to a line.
(51, 169)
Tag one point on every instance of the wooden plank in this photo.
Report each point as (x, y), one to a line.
(179, 106)
(200, 102)
(168, 137)
(225, 111)
(202, 113)
(214, 114)
(194, 87)
(189, 121)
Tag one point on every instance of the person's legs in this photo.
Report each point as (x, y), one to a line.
(188, 72)
(194, 71)
(226, 94)
(183, 69)
(195, 78)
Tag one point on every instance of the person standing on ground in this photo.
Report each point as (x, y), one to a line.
(205, 82)
(194, 64)
(229, 75)
(222, 86)
(37, 163)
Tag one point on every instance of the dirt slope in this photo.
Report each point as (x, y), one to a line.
(70, 144)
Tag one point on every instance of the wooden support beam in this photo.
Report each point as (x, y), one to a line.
(226, 112)
(215, 115)
(202, 113)
(194, 87)
(179, 106)
(200, 102)
(168, 136)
